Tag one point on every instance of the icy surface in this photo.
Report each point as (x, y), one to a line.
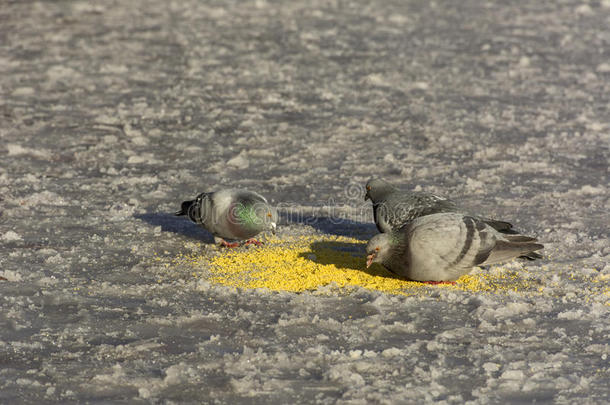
(111, 113)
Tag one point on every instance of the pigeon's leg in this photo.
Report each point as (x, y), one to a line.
(253, 241)
(439, 282)
(223, 243)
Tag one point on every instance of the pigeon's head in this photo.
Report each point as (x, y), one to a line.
(377, 190)
(271, 219)
(258, 216)
(378, 249)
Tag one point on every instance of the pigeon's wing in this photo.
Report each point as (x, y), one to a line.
(450, 244)
(447, 245)
(248, 198)
(403, 207)
(500, 226)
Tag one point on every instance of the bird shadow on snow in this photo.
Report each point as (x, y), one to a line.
(338, 254)
(331, 225)
(334, 252)
(171, 223)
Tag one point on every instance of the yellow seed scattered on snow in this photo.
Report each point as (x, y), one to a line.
(308, 262)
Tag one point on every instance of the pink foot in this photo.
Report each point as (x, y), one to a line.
(224, 243)
(252, 241)
(439, 282)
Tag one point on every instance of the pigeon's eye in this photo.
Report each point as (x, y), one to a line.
(269, 214)
(377, 249)
(368, 188)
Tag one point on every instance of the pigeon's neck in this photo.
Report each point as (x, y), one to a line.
(399, 253)
(247, 216)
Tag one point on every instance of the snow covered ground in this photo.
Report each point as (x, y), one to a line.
(112, 113)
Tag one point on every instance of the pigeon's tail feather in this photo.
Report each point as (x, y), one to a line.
(531, 256)
(500, 226)
(519, 238)
(184, 209)
(507, 250)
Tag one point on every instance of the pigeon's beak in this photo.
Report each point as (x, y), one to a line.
(367, 196)
(369, 259)
(273, 226)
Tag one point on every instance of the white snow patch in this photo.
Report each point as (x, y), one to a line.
(474, 185)
(139, 140)
(107, 139)
(510, 310)
(18, 150)
(44, 198)
(355, 354)
(114, 69)
(131, 131)
(59, 72)
(147, 158)
(590, 190)
(57, 259)
(11, 236)
(144, 393)
(598, 310)
(87, 7)
(121, 211)
(420, 85)
(214, 12)
(179, 373)
(524, 61)
(491, 367)
(342, 374)
(513, 375)
(46, 281)
(584, 9)
(27, 382)
(23, 91)
(376, 79)
(108, 120)
(11, 275)
(392, 352)
(117, 374)
(239, 161)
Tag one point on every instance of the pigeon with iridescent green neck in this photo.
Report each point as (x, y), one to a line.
(442, 247)
(393, 207)
(231, 214)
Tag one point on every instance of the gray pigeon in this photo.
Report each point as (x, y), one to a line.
(393, 207)
(442, 247)
(231, 214)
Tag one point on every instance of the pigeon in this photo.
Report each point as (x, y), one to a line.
(442, 247)
(231, 214)
(393, 207)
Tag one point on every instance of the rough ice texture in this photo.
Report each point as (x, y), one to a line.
(113, 112)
